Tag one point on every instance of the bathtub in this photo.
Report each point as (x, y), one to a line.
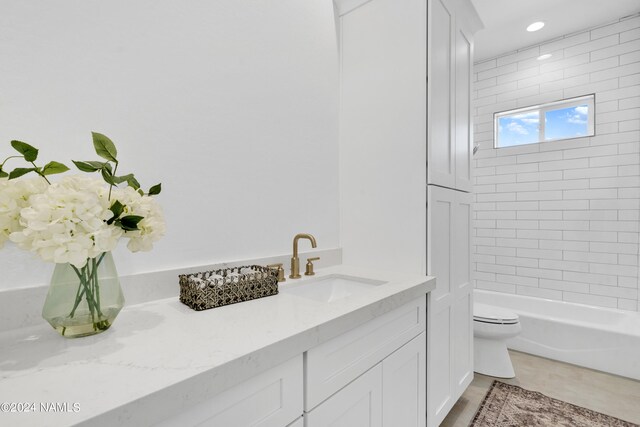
(598, 338)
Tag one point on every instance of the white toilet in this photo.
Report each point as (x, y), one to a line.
(492, 326)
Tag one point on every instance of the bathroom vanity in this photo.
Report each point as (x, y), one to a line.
(346, 344)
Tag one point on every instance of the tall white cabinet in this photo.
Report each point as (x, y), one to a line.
(450, 308)
(405, 157)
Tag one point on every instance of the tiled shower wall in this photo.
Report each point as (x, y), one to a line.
(560, 220)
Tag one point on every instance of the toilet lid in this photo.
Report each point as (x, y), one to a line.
(492, 314)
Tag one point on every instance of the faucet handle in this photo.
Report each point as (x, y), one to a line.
(280, 270)
(309, 268)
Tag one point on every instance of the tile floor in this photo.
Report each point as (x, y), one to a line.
(609, 394)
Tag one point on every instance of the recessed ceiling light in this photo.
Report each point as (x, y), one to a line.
(543, 57)
(535, 26)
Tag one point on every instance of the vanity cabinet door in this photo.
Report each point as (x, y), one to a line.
(359, 404)
(335, 363)
(404, 388)
(270, 399)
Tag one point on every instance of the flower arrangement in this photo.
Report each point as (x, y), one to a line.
(78, 219)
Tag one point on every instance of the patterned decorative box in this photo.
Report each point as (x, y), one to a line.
(210, 289)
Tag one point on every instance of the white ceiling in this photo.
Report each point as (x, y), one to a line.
(505, 21)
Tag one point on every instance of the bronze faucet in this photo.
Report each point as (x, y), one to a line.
(295, 261)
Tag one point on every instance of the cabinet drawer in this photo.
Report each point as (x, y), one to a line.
(270, 399)
(333, 364)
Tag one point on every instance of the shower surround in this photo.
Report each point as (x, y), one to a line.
(559, 220)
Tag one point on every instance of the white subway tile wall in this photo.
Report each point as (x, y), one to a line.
(560, 220)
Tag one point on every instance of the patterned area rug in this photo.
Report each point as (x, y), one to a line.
(508, 405)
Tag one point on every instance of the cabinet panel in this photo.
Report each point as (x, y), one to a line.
(463, 309)
(333, 364)
(439, 218)
(463, 129)
(404, 385)
(439, 391)
(463, 343)
(441, 150)
(449, 324)
(357, 405)
(271, 399)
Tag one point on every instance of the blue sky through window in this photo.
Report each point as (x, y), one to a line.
(566, 123)
(519, 129)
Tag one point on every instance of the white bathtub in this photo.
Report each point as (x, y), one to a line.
(599, 338)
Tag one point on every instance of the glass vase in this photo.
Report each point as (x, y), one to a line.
(84, 301)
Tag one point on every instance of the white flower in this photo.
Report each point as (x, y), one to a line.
(67, 222)
(151, 228)
(14, 196)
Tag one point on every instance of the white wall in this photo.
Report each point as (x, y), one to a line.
(383, 134)
(231, 104)
(560, 220)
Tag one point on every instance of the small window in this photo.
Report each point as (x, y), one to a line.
(567, 119)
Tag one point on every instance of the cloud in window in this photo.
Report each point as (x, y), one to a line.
(577, 119)
(582, 110)
(579, 115)
(517, 128)
(530, 118)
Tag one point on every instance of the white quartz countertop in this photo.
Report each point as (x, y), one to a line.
(161, 357)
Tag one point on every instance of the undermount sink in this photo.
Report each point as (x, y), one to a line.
(332, 288)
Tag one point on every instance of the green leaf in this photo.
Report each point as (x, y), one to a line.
(116, 208)
(95, 164)
(104, 147)
(88, 166)
(133, 183)
(107, 166)
(53, 168)
(129, 222)
(123, 178)
(108, 176)
(18, 172)
(156, 189)
(30, 153)
(3, 174)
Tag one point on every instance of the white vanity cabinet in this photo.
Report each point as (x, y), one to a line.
(374, 375)
(371, 375)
